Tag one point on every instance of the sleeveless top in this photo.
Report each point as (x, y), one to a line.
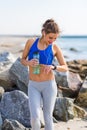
(45, 56)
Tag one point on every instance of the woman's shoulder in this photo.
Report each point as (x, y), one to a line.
(30, 42)
(56, 48)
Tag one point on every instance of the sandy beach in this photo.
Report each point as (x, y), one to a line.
(15, 46)
(76, 124)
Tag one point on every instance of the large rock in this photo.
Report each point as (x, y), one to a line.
(78, 66)
(14, 105)
(82, 97)
(6, 60)
(79, 112)
(74, 81)
(19, 75)
(13, 125)
(74, 85)
(5, 80)
(67, 92)
(84, 86)
(65, 109)
(61, 78)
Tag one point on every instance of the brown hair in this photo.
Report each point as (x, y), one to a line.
(50, 26)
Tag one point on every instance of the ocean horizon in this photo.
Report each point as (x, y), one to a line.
(74, 47)
(38, 35)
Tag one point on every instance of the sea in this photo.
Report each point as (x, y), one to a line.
(73, 47)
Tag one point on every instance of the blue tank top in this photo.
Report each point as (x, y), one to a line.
(46, 55)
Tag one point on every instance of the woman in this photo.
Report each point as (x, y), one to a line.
(43, 85)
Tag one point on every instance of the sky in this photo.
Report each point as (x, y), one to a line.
(26, 17)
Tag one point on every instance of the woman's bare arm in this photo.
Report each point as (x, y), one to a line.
(62, 67)
(24, 60)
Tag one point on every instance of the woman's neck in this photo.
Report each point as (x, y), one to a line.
(42, 43)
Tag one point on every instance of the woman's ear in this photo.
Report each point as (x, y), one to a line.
(43, 32)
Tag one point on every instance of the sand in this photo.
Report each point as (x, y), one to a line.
(75, 124)
(14, 45)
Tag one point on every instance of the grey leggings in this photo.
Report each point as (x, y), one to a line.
(47, 91)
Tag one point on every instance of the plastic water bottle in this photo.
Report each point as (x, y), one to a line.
(36, 69)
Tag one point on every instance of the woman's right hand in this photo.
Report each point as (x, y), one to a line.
(33, 62)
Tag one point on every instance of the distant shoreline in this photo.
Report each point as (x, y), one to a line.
(37, 35)
(74, 36)
(19, 35)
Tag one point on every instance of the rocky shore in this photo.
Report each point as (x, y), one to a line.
(70, 112)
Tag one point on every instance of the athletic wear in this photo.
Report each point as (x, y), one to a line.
(46, 55)
(47, 91)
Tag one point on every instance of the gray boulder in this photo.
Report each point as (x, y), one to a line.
(82, 97)
(14, 105)
(6, 60)
(84, 86)
(65, 109)
(19, 75)
(13, 125)
(74, 81)
(61, 78)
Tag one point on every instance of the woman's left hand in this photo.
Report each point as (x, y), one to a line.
(47, 68)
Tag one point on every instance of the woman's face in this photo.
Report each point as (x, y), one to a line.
(50, 37)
